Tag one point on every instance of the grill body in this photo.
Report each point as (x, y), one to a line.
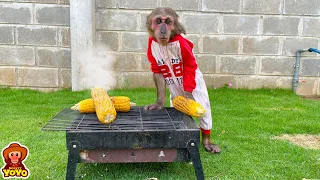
(138, 136)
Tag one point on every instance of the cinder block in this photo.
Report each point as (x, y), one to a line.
(54, 57)
(277, 66)
(291, 45)
(39, 1)
(281, 25)
(106, 3)
(15, 13)
(254, 82)
(64, 2)
(318, 92)
(218, 80)
(134, 80)
(262, 7)
(8, 77)
(195, 40)
(65, 35)
(116, 20)
(220, 44)
(6, 36)
(207, 63)
(307, 7)
(310, 67)
(38, 77)
(52, 14)
(45, 90)
(41, 36)
(126, 62)
(137, 4)
(284, 82)
(238, 65)
(308, 86)
(209, 80)
(19, 56)
(249, 81)
(145, 64)
(180, 4)
(143, 20)
(221, 5)
(65, 78)
(110, 39)
(136, 42)
(200, 23)
(311, 27)
(240, 24)
(260, 45)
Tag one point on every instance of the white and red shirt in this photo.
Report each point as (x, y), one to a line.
(178, 65)
(175, 60)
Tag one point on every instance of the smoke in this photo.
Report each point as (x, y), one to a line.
(97, 68)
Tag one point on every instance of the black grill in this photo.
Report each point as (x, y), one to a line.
(135, 120)
(165, 135)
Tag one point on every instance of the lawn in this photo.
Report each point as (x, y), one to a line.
(245, 124)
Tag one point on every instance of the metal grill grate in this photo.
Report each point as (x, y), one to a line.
(137, 119)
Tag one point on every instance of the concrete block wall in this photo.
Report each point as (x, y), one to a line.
(250, 43)
(35, 44)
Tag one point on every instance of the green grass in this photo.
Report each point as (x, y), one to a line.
(244, 123)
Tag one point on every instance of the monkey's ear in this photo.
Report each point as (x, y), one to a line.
(149, 24)
(179, 28)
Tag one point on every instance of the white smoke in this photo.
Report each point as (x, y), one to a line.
(97, 68)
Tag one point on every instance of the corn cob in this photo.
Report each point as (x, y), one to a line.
(104, 107)
(121, 104)
(188, 106)
(85, 106)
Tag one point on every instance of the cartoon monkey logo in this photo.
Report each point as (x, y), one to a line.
(13, 155)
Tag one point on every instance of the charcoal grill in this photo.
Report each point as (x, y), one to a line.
(137, 136)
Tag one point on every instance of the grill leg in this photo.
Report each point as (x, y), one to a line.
(73, 159)
(196, 161)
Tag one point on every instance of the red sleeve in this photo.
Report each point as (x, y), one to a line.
(152, 60)
(189, 65)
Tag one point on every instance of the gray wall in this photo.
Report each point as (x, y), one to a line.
(250, 43)
(35, 44)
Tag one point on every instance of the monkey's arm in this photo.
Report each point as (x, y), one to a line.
(161, 92)
(189, 67)
(158, 79)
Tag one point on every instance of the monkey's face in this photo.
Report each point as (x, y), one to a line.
(162, 26)
(15, 156)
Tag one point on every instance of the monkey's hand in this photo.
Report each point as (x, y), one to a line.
(157, 105)
(188, 95)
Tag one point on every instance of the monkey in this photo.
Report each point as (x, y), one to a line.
(174, 66)
(13, 156)
(14, 160)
